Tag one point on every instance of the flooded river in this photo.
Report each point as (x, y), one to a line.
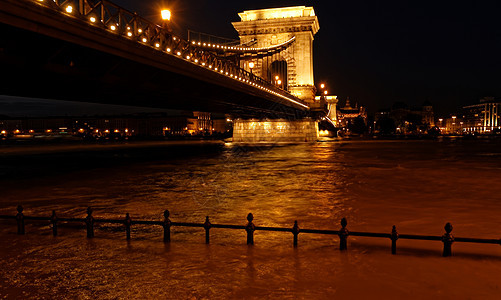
(416, 185)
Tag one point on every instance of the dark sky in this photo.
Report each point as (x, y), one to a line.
(378, 52)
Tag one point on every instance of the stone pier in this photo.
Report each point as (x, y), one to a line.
(275, 131)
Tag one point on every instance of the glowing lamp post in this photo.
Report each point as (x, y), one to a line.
(251, 66)
(166, 15)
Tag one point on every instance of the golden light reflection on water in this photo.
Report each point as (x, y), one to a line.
(374, 185)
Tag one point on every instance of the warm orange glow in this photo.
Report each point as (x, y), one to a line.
(325, 92)
(322, 86)
(3, 132)
(113, 27)
(92, 19)
(251, 65)
(69, 9)
(166, 14)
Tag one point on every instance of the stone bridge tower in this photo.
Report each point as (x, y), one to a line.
(268, 27)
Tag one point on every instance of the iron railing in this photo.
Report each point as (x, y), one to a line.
(343, 233)
(128, 25)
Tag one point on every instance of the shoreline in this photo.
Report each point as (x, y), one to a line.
(14, 150)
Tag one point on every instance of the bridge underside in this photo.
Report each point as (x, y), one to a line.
(37, 65)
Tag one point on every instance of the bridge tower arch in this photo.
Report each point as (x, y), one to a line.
(269, 27)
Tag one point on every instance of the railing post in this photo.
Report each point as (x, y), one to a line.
(295, 232)
(166, 226)
(447, 239)
(89, 221)
(394, 238)
(20, 220)
(343, 235)
(207, 226)
(53, 221)
(128, 223)
(250, 229)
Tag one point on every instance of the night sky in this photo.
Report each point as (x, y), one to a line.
(379, 52)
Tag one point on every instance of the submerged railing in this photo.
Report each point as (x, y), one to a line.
(447, 238)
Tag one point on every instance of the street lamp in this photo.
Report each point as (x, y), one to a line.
(166, 14)
(251, 66)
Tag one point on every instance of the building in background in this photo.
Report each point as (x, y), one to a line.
(483, 117)
(347, 114)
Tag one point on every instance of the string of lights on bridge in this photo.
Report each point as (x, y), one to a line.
(68, 9)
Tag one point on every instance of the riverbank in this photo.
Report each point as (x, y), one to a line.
(24, 149)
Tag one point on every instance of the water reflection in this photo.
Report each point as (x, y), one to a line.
(416, 185)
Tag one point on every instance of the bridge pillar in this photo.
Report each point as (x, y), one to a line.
(268, 27)
(275, 131)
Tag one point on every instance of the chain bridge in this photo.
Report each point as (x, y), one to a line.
(96, 51)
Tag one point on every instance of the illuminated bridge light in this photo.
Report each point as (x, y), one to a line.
(199, 43)
(129, 33)
(92, 19)
(203, 64)
(157, 45)
(187, 57)
(168, 50)
(226, 73)
(215, 69)
(193, 42)
(196, 60)
(178, 53)
(113, 27)
(69, 9)
(205, 44)
(144, 40)
(139, 30)
(210, 67)
(174, 38)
